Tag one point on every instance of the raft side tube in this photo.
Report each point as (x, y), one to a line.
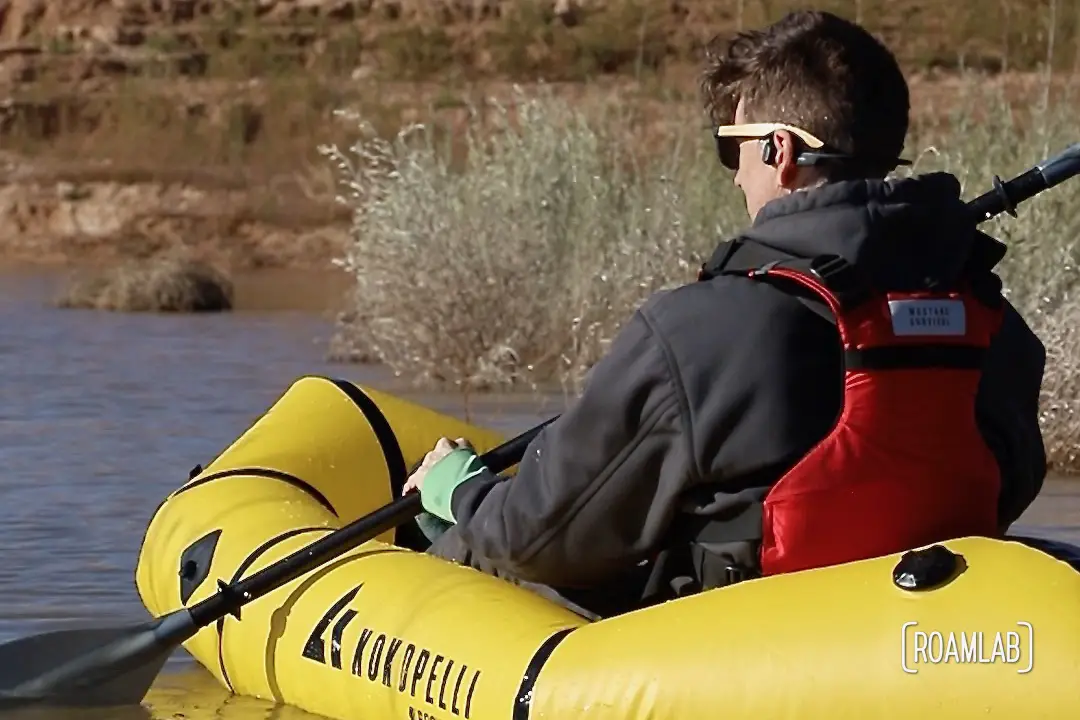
(1001, 639)
(391, 633)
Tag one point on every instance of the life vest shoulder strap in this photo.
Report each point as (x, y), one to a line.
(829, 279)
(743, 258)
(882, 330)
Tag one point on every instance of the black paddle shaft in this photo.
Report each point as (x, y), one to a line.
(230, 598)
(1006, 196)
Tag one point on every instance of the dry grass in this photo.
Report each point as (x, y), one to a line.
(1060, 419)
(1040, 271)
(164, 284)
(522, 258)
(517, 263)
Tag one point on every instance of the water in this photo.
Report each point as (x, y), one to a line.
(102, 415)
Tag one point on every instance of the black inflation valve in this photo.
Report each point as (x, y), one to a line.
(927, 568)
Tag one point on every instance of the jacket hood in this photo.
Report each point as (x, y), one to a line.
(897, 231)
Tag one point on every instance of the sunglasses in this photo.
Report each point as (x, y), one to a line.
(730, 137)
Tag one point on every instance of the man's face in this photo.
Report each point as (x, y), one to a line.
(759, 182)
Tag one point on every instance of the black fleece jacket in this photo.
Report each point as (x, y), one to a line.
(711, 391)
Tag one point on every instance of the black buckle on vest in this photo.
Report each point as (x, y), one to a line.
(764, 269)
(838, 275)
(734, 574)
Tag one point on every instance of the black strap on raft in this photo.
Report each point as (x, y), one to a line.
(523, 699)
(269, 474)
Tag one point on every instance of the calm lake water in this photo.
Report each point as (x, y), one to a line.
(102, 415)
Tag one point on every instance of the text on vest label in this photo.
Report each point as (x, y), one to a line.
(928, 317)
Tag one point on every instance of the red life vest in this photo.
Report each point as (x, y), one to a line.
(905, 464)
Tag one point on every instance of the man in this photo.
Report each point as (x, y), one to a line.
(664, 477)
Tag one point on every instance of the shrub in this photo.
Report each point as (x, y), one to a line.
(520, 265)
(163, 284)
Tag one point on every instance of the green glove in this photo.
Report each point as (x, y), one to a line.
(442, 479)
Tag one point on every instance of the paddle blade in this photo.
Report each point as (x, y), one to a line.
(91, 667)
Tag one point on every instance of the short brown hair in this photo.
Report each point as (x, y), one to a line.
(819, 72)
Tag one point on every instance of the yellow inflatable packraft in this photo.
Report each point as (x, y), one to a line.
(387, 633)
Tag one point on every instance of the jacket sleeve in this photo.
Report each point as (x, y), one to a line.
(596, 490)
(1008, 413)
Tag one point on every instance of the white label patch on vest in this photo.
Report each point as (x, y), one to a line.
(928, 317)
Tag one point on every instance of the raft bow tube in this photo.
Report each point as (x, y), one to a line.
(385, 632)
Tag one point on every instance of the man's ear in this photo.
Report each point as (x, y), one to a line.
(785, 153)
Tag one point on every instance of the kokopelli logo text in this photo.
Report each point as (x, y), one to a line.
(923, 647)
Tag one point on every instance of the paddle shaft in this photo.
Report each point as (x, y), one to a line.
(231, 598)
(1006, 196)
